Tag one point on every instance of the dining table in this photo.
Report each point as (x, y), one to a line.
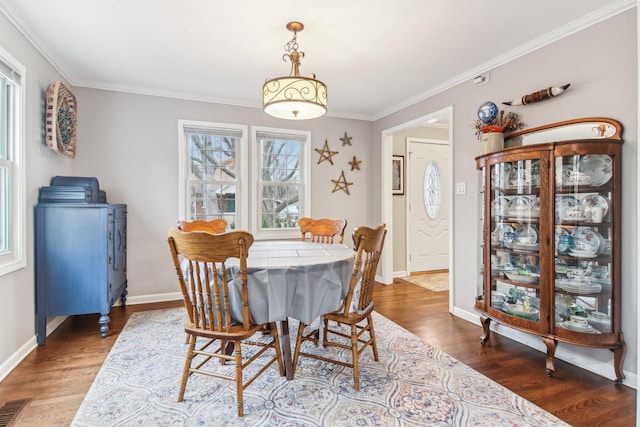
(292, 279)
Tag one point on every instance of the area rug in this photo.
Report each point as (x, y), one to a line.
(413, 384)
(436, 282)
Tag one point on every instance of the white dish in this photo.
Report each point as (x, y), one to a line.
(519, 203)
(592, 200)
(497, 235)
(564, 203)
(531, 279)
(586, 236)
(527, 230)
(499, 205)
(578, 286)
(518, 310)
(535, 203)
(567, 324)
(582, 254)
(524, 246)
(568, 217)
(522, 214)
(598, 166)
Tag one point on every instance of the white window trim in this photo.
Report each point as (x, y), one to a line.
(17, 258)
(305, 174)
(242, 155)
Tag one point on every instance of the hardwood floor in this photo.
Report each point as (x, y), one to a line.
(57, 376)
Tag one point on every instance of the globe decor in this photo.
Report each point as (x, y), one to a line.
(491, 125)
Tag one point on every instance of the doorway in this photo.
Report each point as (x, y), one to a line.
(395, 218)
(427, 205)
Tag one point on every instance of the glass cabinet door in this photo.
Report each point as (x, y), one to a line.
(480, 288)
(583, 244)
(515, 240)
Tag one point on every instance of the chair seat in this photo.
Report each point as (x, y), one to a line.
(352, 317)
(236, 332)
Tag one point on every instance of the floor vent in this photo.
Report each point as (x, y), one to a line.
(9, 411)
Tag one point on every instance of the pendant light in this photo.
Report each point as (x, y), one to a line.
(294, 97)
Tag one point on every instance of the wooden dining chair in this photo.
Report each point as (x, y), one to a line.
(355, 310)
(322, 230)
(211, 324)
(215, 226)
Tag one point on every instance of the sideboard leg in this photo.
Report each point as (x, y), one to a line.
(42, 329)
(551, 352)
(123, 297)
(485, 329)
(104, 325)
(618, 356)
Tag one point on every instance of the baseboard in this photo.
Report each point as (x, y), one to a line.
(565, 352)
(400, 274)
(146, 299)
(14, 360)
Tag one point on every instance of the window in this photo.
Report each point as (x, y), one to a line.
(432, 190)
(212, 172)
(282, 177)
(12, 172)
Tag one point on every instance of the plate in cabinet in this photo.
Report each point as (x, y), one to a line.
(592, 200)
(598, 166)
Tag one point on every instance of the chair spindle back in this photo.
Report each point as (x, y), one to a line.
(368, 243)
(322, 230)
(206, 289)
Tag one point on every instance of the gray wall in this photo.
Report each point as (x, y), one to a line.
(130, 143)
(600, 62)
(17, 293)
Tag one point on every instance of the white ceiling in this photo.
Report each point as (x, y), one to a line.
(376, 56)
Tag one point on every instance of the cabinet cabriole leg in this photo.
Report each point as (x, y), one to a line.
(485, 329)
(104, 325)
(551, 351)
(618, 356)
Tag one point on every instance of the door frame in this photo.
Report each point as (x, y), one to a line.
(408, 186)
(386, 198)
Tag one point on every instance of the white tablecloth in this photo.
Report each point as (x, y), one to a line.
(297, 279)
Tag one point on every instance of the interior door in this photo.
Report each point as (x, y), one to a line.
(428, 187)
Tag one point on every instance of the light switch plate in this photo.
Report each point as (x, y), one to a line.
(461, 187)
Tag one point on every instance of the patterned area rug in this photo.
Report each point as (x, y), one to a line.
(436, 282)
(413, 384)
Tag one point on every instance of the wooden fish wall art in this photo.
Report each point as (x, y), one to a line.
(541, 95)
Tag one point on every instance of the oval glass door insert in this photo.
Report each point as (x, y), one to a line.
(432, 190)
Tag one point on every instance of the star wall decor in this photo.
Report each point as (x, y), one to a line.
(341, 183)
(355, 164)
(326, 153)
(346, 140)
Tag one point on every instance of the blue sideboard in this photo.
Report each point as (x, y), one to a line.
(81, 263)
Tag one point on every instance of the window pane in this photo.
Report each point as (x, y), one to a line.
(213, 176)
(4, 209)
(280, 179)
(12, 172)
(280, 206)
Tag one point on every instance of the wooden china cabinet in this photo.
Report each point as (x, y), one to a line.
(549, 229)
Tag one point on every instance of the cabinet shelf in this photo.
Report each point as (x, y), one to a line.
(586, 247)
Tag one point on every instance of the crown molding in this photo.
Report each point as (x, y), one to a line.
(535, 44)
(613, 9)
